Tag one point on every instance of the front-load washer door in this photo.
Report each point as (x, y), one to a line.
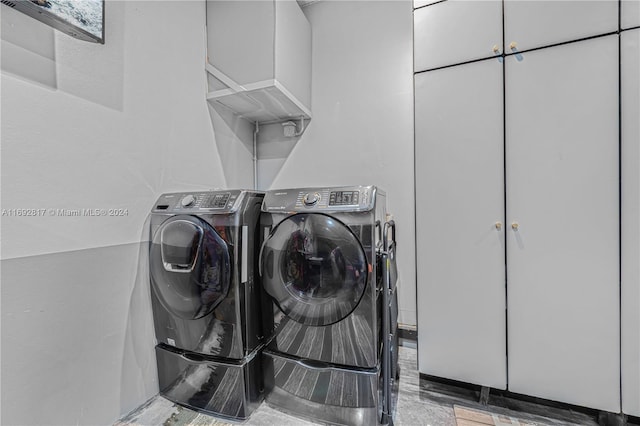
(314, 268)
(190, 267)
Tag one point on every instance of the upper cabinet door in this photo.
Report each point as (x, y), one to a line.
(456, 31)
(629, 13)
(535, 23)
(563, 223)
(630, 61)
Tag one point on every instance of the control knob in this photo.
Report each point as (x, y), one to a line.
(311, 199)
(188, 200)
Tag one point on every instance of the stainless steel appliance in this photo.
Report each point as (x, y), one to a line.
(206, 300)
(323, 265)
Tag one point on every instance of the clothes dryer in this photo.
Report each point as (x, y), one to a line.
(320, 265)
(206, 300)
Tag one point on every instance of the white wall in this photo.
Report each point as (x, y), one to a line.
(94, 126)
(114, 125)
(362, 126)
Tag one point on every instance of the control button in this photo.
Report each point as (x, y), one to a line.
(311, 199)
(188, 200)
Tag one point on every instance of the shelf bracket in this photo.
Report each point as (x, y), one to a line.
(225, 79)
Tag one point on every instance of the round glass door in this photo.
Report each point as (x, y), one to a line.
(315, 268)
(190, 267)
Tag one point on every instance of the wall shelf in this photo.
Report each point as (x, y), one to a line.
(264, 75)
(265, 101)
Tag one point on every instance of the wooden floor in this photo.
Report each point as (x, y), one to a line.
(420, 402)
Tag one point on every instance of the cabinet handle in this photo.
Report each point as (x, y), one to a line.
(514, 48)
(496, 49)
(515, 226)
(498, 226)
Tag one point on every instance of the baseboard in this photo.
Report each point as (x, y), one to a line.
(526, 403)
(408, 334)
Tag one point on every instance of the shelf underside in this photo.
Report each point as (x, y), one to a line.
(264, 104)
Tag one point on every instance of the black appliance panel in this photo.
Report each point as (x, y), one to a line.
(190, 267)
(210, 385)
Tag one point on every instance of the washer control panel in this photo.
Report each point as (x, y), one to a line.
(210, 201)
(347, 198)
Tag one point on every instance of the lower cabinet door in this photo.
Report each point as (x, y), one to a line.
(630, 59)
(562, 180)
(459, 154)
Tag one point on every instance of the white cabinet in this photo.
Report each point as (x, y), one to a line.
(460, 210)
(630, 85)
(259, 58)
(536, 23)
(562, 195)
(456, 31)
(561, 233)
(629, 13)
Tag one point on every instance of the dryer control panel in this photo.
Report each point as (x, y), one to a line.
(193, 202)
(344, 199)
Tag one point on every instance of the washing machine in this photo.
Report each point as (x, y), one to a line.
(206, 300)
(328, 270)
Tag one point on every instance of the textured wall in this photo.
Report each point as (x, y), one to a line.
(103, 126)
(89, 126)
